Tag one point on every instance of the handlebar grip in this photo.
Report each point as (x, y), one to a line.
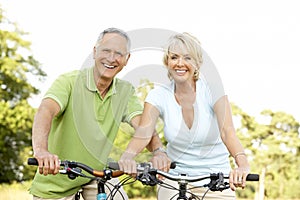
(173, 165)
(114, 165)
(32, 161)
(252, 177)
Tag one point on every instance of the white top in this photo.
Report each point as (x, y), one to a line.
(199, 150)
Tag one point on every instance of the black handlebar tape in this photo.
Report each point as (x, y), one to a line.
(32, 161)
(252, 177)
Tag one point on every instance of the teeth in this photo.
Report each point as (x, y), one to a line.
(109, 66)
(180, 71)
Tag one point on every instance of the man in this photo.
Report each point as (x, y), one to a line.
(79, 117)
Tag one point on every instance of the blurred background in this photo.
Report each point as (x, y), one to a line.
(253, 44)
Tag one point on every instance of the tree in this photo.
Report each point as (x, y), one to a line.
(273, 148)
(16, 115)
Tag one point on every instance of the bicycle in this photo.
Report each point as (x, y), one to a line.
(147, 176)
(74, 169)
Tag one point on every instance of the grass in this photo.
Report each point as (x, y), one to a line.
(15, 191)
(20, 191)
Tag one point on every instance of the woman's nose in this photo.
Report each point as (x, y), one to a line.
(180, 62)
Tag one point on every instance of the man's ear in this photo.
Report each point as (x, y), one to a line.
(127, 58)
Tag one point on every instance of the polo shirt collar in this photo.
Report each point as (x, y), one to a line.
(90, 83)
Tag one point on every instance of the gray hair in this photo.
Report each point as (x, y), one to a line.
(118, 31)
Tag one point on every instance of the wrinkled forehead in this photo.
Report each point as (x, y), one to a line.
(113, 41)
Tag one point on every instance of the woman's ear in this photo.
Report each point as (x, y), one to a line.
(94, 52)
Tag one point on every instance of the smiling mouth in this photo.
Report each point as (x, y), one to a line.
(109, 66)
(180, 70)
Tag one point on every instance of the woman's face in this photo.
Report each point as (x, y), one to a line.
(181, 65)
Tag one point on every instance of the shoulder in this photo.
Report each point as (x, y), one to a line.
(69, 75)
(163, 89)
(159, 93)
(121, 82)
(211, 90)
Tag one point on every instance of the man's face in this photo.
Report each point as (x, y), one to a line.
(111, 55)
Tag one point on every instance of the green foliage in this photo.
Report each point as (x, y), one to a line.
(125, 133)
(273, 147)
(16, 115)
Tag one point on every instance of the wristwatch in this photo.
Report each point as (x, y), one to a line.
(161, 149)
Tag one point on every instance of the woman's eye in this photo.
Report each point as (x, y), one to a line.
(187, 58)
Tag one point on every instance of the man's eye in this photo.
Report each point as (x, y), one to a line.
(119, 54)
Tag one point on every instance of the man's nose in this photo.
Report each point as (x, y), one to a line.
(112, 56)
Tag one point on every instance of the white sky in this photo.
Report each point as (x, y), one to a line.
(254, 44)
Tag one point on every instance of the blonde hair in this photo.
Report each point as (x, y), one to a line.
(192, 45)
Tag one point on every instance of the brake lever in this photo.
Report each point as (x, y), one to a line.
(73, 172)
(147, 176)
(217, 182)
(221, 185)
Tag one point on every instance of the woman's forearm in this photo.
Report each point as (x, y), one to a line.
(138, 142)
(235, 148)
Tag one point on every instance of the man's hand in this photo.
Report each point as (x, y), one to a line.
(48, 163)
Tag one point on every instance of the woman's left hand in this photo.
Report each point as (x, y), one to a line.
(237, 177)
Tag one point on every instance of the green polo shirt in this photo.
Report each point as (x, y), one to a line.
(85, 128)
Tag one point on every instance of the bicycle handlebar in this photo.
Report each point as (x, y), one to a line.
(115, 165)
(250, 177)
(70, 165)
(147, 175)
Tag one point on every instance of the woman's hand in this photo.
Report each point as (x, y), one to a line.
(127, 164)
(161, 161)
(237, 177)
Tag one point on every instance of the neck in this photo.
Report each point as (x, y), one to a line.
(181, 88)
(185, 94)
(102, 84)
(103, 87)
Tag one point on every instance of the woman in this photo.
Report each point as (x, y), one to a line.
(197, 119)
